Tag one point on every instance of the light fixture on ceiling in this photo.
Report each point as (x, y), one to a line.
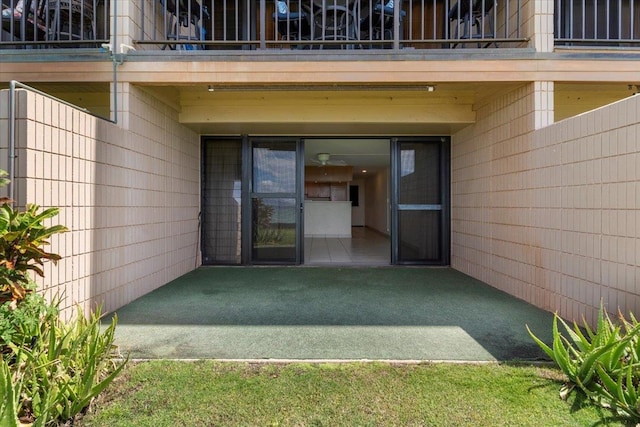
(364, 171)
(210, 88)
(323, 157)
(327, 87)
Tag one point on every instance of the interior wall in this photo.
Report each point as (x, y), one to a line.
(130, 197)
(550, 215)
(377, 202)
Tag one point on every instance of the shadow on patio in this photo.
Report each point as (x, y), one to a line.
(385, 313)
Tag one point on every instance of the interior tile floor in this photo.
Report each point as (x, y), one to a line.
(365, 247)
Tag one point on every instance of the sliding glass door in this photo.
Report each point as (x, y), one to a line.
(274, 174)
(420, 201)
(221, 200)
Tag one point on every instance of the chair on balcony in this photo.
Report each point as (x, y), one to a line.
(335, 20)
(22, 20)
(185, 22)
(70, 20)
(383, 20)
(475, 19)
(290, 24)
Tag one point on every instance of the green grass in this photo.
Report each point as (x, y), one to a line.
(209, 393)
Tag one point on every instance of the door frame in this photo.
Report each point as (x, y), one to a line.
(393, 207)
(444, 206)
(248, 195)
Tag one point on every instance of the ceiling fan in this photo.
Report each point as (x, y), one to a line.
(324, 159)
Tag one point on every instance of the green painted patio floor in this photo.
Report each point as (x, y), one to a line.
(325, 313)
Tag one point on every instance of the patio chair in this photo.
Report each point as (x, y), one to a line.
(291, 24)
(70, 19)
(383, 20)
(22, 20)
(335, 20)
(185, 22)
(475, 19)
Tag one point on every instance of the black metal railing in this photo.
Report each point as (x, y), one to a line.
(597, 23)
(317, 24)
(54, 23)
(331, 24)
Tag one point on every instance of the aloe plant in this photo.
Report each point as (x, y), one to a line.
(604, 363)
(68, 366)
(9, 396)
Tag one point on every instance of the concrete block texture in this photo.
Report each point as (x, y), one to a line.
(130, 198)
(556, 205)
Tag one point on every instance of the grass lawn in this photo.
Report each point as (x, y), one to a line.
(210, 393)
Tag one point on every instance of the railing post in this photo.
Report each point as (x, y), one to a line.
(396, 23)
(263, 24)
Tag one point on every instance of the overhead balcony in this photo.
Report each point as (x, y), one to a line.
(597, 23)
(404, 26)
(40, 24)
(330, 25)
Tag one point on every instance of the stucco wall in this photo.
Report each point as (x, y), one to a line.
(552, 215)
(130, 197)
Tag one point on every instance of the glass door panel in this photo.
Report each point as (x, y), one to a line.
(419, 236)
(276, 227)
(420, 201)
(221, 201)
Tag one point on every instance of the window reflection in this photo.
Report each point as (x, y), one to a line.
(274, 169)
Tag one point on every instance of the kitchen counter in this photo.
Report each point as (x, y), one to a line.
(327, 219)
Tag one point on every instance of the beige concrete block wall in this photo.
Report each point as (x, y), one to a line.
(552, 215)
(129, 197)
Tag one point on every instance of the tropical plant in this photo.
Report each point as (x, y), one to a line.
(9, 396)
(264, 231)
(22, 236)
(20, 324)
(604, 363)
(65, 366)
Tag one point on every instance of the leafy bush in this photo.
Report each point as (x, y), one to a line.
(65, 366)
(21, 324)
(22, 235)
(603, 364)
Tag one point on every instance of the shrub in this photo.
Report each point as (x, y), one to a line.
(603, 364)
(21, 324)
(22, 236)
(65, 366)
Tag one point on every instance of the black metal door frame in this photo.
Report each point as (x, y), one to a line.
(248, 195)
(444, 206)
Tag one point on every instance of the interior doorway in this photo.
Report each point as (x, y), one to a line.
(347, 190)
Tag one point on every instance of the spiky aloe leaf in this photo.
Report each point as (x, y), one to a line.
(9, 394)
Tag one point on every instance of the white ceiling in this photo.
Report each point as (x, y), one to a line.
(370, 154)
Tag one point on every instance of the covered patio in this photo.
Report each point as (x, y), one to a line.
(330, 313)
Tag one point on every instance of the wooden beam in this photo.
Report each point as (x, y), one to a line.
(246, 71)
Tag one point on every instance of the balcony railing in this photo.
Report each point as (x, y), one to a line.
(220, 25)
(331, 24)
(54, 23)
(597, 23)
